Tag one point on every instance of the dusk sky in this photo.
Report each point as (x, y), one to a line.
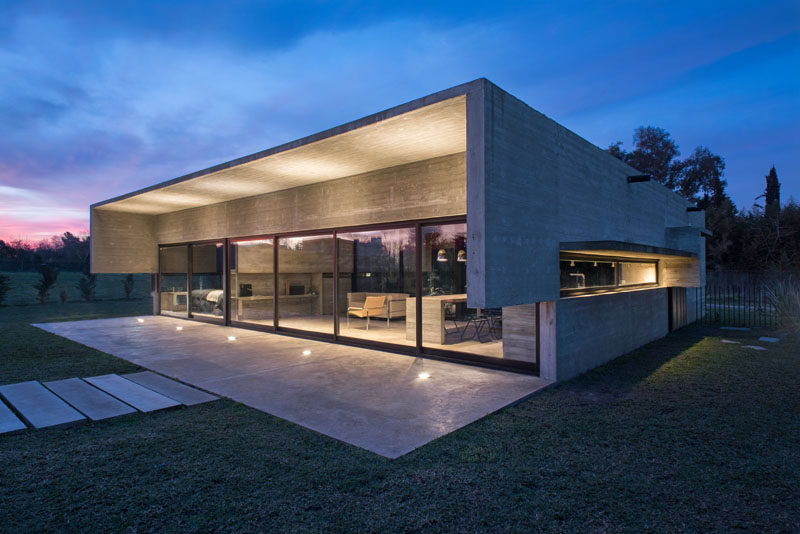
(102, 98)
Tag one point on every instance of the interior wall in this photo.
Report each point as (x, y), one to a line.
(425, 189)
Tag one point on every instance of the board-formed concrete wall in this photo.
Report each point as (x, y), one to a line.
(537, 184)
(123, 242)
(592, 330)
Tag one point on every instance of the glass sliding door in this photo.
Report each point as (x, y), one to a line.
(447, 322)
(173, 296)
(252, 287)
(207, 296)
(377, 279)
(305, 283)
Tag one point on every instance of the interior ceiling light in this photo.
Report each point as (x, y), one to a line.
(140, 320)
(442, 255)
(462, 255)
(306, 352)
(424, 376)
(178, 328)
(231, 338)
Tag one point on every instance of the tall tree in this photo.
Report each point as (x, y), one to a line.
(698, 178)
(653, 153)
(772, 195)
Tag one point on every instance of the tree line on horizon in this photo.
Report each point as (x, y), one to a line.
(762, 239)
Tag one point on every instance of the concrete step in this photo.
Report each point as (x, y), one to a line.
(88, 400)
(140, 397)
(182, 393)
(39, 406)
(8, 421)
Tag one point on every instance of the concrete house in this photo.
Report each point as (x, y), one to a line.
(461, 225)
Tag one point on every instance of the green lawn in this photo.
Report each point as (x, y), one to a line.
(109, 286)
(684, 434)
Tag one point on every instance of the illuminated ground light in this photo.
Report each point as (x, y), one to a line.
(306, 352)
(139, 320)
(424, 376)
(231, 338)
(178, 328)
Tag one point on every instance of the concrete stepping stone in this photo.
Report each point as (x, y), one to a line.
(769, 339)
(739, 328)
(88, 400)
(182, 393)
(39, 406)
(754, 347)
(8, 421)
(730, 341)
(141, 398)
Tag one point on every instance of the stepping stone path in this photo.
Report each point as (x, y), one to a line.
(754, 347)
(730, 341)
(89, 400)
(186, 395)
(8, 421)
(141, 398)
(769, 339)
(99, 397)
(38, 406)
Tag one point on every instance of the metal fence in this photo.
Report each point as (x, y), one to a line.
(735, 305)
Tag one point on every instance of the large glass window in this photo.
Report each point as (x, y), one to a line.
(377, 280)
(252, 291)
(447, 322)
(208, 297)
(305, 283)
(579, 274)
(173, 262)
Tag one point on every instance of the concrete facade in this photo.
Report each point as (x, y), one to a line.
(529, 189)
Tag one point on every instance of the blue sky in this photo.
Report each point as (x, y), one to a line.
(101, 98)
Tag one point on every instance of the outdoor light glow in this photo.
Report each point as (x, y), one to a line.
(231, 338)
(306, 352)
(424, 376)
(178, 328)
(140, 320)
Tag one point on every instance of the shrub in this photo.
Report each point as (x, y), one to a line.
(63, 296)
(784, 296)
(127, 286)
(5, 287)
(87, 284)
(46, 282)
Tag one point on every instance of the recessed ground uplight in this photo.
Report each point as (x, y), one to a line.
(140, 320)
(178, 328)
(306, 352)
(231, 338)
(424, 376)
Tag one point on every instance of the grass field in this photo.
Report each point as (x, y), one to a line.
(109, 286)
(685, 434)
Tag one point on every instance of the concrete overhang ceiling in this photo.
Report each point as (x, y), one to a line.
(427, 132)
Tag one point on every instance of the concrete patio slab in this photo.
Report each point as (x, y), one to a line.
(368, 398)
(38, 406)
(87, 399)
(141, 398)
(186, 395)
(8, 421)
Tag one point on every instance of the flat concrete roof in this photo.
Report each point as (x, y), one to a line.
(425, 128)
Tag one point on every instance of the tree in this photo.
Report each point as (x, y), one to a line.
(772, 195)
(127, 286)
(5, 286)
(49, 275)
(653, 153)
(87, 283)
(700, 174)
